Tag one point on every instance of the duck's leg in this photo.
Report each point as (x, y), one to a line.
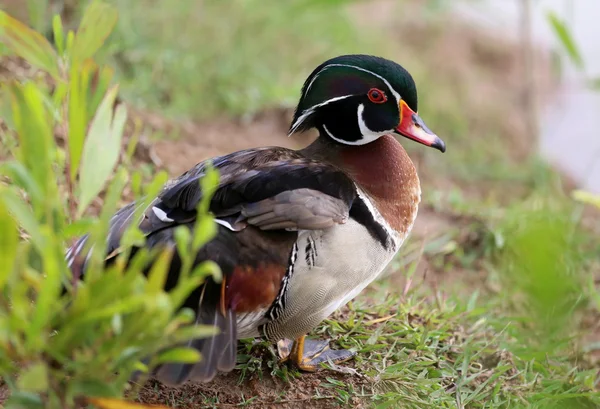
(308, 354)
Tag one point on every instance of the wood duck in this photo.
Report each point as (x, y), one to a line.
(301, 232)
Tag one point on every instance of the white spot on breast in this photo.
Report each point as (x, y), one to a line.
(162, 215)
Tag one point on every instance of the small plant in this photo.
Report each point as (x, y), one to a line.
(65, 343)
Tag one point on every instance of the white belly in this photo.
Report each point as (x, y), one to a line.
(332, 267)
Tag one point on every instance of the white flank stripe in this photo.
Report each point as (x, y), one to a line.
(397, 240)
(225, 224)
(162, 215)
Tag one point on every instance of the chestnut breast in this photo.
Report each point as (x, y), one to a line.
(384, 170)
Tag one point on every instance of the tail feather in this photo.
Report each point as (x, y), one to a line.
(227, 359)
(218, 352)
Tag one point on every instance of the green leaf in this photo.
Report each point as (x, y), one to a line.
(21, 177)
(59, 34)
(133, 236)
(194, 332)
(34, 378)
(22, 213)
(586, 197)
(24, 400)
(113, 193)
(79, 111)
(37, 13)
(205, 229)
(102, 77)
(54, 268)
(92, 387)
(78, 228)
(97, 23)
(208, 268)
(101, 149)
(9, 240)
(118, 307)
(181, 355)
(35, 131)
(28, 44)
(564, 35)
(158, 272)
(125, 355)
(183, 237)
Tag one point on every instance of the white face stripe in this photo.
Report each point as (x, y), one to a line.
(396, 94)
(345, 142)
(307, 112)
(369, 135)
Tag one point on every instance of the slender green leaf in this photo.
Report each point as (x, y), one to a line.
(54, 269)
(101, 149)
(97, 23)
(208, 268)
(118, 307)
(205, 229)
(9, 240)
(24, 400)
(28, 44)
(78, 228)
(194, 332)
(59, 34)
(21, 177)
(113, 193)
(564, 35)
(22, 213)
(586, 197)
(35, 131)
(182, 355)
(183, 238)
(100, 81)
(159, 271)
(92, 387)
(37, 13)
(79, 112)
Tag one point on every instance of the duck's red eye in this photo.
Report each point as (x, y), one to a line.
(377, 96)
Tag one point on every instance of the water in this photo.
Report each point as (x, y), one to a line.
(570, 122)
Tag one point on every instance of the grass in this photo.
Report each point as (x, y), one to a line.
(206, 63)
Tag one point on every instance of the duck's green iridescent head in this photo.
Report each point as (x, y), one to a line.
(355, 99)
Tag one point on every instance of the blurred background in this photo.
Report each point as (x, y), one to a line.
(513, 88)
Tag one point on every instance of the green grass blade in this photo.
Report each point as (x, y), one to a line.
(28, 44)
(564, 35)
(101, 149)
(97, 23)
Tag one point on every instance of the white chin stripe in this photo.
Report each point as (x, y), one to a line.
(368, 136)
